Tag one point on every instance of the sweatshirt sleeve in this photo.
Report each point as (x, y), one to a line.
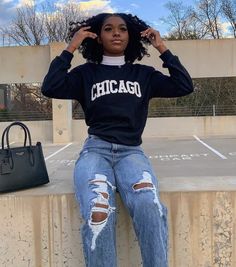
(61, 84)
(179, 83)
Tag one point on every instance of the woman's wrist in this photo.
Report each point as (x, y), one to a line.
(161, 48)
(70, 48)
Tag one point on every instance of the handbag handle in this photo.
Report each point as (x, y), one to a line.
(26, 130)
(4, 133)
(27, 134)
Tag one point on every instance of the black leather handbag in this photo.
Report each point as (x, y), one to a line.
(21, 167)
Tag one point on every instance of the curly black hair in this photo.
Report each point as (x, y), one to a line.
(93, 51)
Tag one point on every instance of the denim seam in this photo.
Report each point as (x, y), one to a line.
(126, 195)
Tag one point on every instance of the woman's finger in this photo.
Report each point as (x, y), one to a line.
(149, 33)
(85, 27)
(91, 35)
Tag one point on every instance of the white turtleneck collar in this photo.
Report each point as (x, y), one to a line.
(113, 61)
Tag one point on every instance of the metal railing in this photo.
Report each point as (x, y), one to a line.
(24, 116)
(153, 112)
(176, 111)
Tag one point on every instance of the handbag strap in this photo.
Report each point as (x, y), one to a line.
(27, 135)
(4, 133)
(24, 127)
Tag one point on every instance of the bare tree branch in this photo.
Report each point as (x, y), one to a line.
(229, 12)
(182, 22)
(207, 13)
(42, 24)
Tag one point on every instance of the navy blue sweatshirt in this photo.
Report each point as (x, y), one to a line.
(115, 98)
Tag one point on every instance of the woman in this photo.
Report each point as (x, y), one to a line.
(114, 94)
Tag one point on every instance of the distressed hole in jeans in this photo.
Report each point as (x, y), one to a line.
(101, 209)
(146, 184)
(142, 185)
(100, 216)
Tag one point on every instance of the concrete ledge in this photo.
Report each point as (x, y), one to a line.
(40, 227)
(177, 127)
(173, 127)
(220, 55)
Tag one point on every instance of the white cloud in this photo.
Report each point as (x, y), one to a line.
(95, 6)
(22, 3)
(135, 5)
(90, 7)
(25, 2)
(127, 11)
(6, 1)
(157, 23)
(225, 28)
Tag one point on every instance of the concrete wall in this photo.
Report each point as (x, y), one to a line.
(40, 131)
(43, 229)
(203, 58)
(178, 127)
(23, 64)
(40, 227)
(188, 126)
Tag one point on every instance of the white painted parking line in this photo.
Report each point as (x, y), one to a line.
(58, 151)
(211, 148)
(10, 144)
(175, 157)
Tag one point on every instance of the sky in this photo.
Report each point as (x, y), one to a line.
(151, 11)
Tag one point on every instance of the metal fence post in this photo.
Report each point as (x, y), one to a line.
(214, 110)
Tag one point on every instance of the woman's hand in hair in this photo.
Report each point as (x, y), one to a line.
(155, 38)
(78, 38)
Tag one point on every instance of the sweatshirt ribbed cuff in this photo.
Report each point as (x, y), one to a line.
(166, 55)
(66, 56)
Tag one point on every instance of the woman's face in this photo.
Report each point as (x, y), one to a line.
(114, 36)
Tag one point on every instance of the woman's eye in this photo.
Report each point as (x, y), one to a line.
(107, 29)
(123, 29)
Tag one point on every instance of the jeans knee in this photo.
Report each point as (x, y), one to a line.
(101, 208)
(145, 202)
(148, 193)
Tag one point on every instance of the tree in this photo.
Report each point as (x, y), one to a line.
(37, 25)
(182, 22)
(229, 12)
(28, 97)
(57, 19)
(207, 13)
(41, 24)
(27, 27)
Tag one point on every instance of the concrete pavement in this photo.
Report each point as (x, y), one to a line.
(190, 164)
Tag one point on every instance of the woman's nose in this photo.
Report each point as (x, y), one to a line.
(116, 32)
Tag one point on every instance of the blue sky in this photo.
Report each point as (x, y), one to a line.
(150, 11)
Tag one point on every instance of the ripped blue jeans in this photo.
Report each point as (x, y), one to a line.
(102, 169)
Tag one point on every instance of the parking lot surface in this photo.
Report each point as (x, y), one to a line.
(190, 157)
(189, 164)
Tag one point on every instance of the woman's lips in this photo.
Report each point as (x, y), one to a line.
(116, 41)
